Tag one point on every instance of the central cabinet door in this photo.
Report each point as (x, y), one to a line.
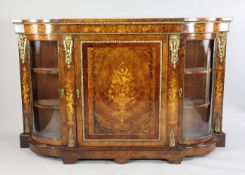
(122, 85)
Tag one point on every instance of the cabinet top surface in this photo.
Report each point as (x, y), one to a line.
(122, 20)
(123, 26)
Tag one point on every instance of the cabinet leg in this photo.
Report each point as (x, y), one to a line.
(68, 160)
(175, 160)
(24, 140)
(121, 160)
(220, 139)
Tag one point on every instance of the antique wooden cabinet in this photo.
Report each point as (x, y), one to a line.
(122, 88)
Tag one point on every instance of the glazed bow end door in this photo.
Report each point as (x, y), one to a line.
(198, 89)
(122, 82)
(46, 102)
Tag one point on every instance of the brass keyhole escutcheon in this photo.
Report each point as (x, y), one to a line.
(180, 92)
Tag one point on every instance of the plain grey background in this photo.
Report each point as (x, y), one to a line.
(14, 160)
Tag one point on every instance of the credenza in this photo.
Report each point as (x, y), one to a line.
(122, 89)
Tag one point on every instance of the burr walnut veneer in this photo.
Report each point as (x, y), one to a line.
(122, 88)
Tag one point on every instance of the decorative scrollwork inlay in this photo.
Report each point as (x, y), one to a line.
(221, 45)
(23, 46)
(173, 100)
(68, 46)
(26, 99)
(219, 91)
(174, 42)
(69, 96)
(219, 88)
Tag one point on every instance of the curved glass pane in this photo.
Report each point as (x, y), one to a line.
(45, 82)
(197, 88)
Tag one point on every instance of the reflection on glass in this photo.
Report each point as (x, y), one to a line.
(47, 122)
(197, 88)
(45, 80)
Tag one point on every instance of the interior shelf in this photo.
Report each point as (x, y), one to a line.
(197, 103)
(46, 70)
(47, 104)
(197, 70)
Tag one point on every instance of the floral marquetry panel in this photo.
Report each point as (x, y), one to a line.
(123, 101)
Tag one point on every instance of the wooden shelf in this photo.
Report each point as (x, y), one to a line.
(47, 104)
(52, 71)
(197, 70)
(197, 103)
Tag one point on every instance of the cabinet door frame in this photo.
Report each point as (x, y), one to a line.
(195, 37)
(163, 120)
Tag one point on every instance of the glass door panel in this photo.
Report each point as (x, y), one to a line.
(197, 88)
(45, 78)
